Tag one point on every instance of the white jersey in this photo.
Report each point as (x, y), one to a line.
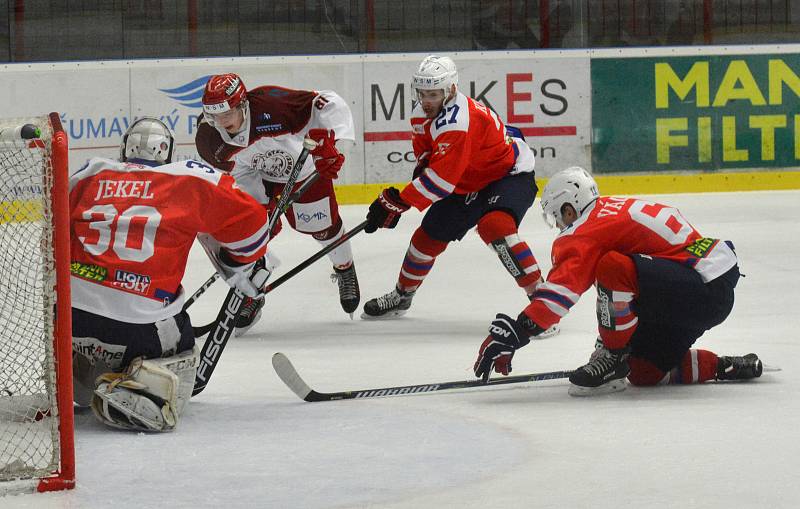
(278, 120)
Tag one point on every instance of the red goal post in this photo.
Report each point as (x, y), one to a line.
(36, 414)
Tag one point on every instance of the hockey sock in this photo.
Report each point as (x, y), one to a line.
(342, 256)
(697, 366)
(422, 252)
(617, 285)
(499, 230)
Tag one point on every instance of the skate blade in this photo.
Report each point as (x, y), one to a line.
(391, 315)
(549, 333)
(607, 388)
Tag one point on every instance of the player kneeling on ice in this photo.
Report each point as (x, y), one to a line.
(473, 171)
(660, 286)
(133, 222)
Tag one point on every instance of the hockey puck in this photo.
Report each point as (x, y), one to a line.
(29, 132)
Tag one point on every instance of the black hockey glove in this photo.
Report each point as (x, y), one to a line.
(506, 335)
(385, 211)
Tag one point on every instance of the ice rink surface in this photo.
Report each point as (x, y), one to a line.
(247, 441)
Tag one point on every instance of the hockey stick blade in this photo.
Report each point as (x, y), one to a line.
(289, 375)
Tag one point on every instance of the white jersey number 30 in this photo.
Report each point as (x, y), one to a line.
(106, 227)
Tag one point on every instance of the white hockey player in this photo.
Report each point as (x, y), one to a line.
(133, 223)
(257, 135)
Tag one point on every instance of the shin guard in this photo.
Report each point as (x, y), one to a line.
(697, 366)
(499, 230)
(342, 256)
(420, 256)
(616, 287)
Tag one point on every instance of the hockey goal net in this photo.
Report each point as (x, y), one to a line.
(36, 419)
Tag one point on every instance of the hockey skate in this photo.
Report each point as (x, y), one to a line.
(248, 315)
(604, 373)
(391, 305)
(349, 293)
(739, 368)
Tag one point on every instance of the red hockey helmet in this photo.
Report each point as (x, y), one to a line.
(223, 92)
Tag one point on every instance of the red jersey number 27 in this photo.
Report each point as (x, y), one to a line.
(131, 234)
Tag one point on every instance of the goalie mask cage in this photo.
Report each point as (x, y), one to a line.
(36, 415)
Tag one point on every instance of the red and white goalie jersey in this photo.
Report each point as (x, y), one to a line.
(467, 147)
(628, 226)
(279, 119)
(133, 226)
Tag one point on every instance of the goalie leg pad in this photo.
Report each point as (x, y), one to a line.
(149, 396)
(84, 373)
(184, 365)
(123, 403)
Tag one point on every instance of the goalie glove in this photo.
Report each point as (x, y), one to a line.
(249, 279)
(506, 335)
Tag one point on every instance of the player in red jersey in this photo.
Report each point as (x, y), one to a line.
(660, 286)
(133, 223)
(257, 136)
(472, 171)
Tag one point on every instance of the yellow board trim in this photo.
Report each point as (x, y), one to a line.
(350, 194)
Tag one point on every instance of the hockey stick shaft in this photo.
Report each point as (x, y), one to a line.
(287, 197)
(205, 329)
(313, 258)
(289, 375)
(223, 326)
(220, 332)
(200, 291)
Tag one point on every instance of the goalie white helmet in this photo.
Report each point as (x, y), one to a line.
(434, 73)
(147, 138)
(574, 186)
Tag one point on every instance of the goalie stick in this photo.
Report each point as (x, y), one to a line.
(205, 329)
(222, 328)
(288, 374)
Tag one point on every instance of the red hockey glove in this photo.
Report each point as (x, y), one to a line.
(385, 211)
(327, 159)
(497, 350)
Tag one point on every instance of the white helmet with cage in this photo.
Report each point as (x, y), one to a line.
(149, 139)
(574, 186)
(434, 73)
